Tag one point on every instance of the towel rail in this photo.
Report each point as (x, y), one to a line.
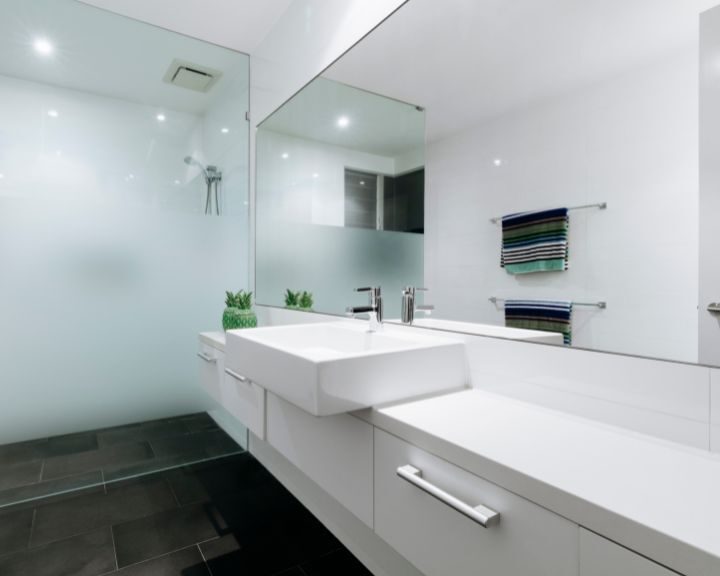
(599, 206)
(602, 305)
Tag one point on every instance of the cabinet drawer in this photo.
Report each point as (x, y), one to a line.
(442, 541)
(211, 365)
(336, 452)
(245, 400)
(601, 557)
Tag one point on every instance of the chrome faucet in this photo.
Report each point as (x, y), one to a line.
(374, 310)
(409, 307)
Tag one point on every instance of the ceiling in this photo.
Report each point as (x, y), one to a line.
(469, 60)
(377, 125)
(110, 55)
(237, 24)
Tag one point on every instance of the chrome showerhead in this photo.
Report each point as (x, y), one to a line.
(190, 161)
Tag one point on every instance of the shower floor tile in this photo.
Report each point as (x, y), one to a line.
(15, 529)
(187, 562)
(129, 501)
(20, 474)
(89, 554)
(226, 516)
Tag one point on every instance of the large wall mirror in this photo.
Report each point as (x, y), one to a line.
(340, 197)
(600, 136)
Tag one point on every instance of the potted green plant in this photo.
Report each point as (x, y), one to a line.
(238, 312)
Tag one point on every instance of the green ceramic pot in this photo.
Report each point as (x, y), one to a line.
(235, 319)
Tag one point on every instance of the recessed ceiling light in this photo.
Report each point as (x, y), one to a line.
(2, 176)
(160, 117)
(53, 113)
(224, 130)
(362, 182)
(131, 176)
(498, 161)
(316, 175)
(177, 182)
(43, 46)
(285, 156)
(343, 122)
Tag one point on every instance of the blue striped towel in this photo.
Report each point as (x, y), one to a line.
(549, 316)
(535, 241)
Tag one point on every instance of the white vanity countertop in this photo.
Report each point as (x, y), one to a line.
(658, 498)
(214, 339)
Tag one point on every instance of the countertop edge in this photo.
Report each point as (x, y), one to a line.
(214, 339)
(645, 540)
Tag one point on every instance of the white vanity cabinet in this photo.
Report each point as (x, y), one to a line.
(336, 452)
(440, 540)
(245, 400)
(225, 384)
(211, 367)
(601, 557)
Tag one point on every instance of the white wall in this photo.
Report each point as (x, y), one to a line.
(107, 279)
(709, 324)
(631, 142)
(301, 241)
(307, 38)
(309, 185)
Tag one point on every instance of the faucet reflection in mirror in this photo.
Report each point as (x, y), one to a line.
(409, 307)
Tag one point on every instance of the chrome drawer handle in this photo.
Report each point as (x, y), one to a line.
(236, 376)
(209, 359)
(480, 514)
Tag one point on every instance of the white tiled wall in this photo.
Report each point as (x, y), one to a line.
(715, 410)
(632, 142)
(668, 400)
(309, 185)
(665, 399)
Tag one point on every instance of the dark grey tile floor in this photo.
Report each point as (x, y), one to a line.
(42, 467)
(227, 516)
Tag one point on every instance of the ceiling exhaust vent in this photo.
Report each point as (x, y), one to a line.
(191, 76)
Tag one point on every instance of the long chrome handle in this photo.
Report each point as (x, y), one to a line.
(236, 376)
(480, 514)
(714, 307)
(209, 359)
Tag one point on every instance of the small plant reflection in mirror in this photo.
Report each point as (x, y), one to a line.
(300, 300)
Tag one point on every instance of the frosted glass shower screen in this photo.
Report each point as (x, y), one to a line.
(109, 265)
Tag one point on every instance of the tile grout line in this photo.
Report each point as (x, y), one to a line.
(32, 528)
(112, 536)
(172, 491)
(202, 555)
(164, 554)
(42, 471)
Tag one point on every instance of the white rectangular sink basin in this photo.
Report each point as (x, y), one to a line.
(336, 367)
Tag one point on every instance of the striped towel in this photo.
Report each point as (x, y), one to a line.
(535, 241)
(540, 315)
